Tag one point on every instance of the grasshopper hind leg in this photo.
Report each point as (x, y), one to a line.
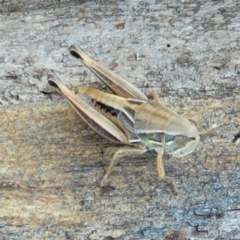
(161, 172)
(120, 153)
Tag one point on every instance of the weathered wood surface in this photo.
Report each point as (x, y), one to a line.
(52, 163)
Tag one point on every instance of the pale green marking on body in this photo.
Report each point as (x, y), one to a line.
(148, 142)
(152, 143)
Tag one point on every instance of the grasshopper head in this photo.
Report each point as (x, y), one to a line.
(182, 137)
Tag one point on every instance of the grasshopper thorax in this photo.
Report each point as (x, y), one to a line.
(159, 127)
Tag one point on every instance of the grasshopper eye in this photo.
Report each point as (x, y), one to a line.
(180, 145)
(180, 141)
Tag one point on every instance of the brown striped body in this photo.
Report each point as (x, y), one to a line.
(148, 117)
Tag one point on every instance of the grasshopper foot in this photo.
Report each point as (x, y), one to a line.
(162, 175)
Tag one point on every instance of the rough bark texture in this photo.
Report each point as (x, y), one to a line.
(52, 163)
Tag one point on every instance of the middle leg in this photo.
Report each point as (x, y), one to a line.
(122, 152)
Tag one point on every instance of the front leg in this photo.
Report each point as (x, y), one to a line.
(120, 153)
(161, 172)
(160, 166)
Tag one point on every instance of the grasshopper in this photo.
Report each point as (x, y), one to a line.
(129, 117)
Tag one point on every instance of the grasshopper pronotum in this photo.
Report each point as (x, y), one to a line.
(129, 117)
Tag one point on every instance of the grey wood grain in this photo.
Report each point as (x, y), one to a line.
(52, 163)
